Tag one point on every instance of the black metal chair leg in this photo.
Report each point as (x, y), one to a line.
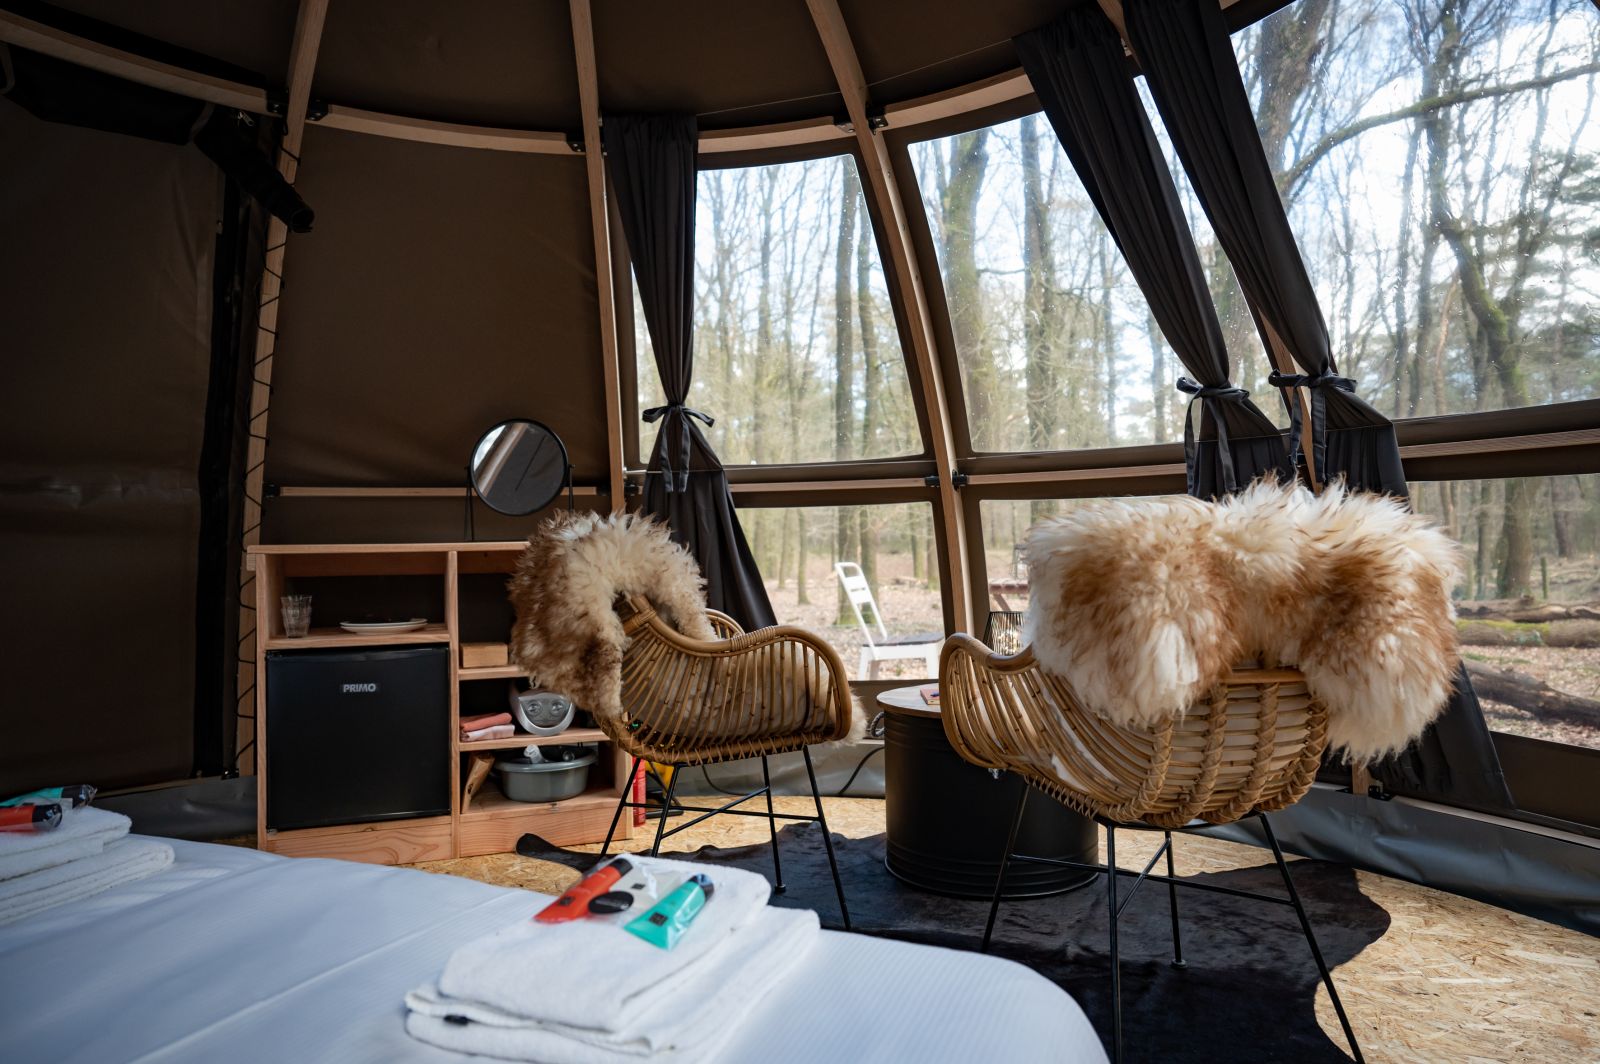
(1116, 956)
(1311, 939)
(827, 838)
(1005, 864)
(666, 804)
(1172, 904)
(772, 822)
(627, 790)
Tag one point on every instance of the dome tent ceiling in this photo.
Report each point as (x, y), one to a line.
(253, 35)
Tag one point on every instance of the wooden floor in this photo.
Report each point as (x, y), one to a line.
(1452, 979)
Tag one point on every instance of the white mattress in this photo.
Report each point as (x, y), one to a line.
(243, 956)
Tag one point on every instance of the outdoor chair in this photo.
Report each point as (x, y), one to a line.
(1251, 748)
(878, 646)
(688, 701)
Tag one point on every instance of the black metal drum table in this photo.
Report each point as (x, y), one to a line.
(947, 819)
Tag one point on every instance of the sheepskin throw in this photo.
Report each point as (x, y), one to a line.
(567, 634)
(1144, 605)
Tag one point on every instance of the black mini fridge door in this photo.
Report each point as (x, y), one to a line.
(357, 735)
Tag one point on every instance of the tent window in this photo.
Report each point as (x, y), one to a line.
(796, 351)
(1399, 223)
(1528, 603)
(1056, 345)
(893, 545)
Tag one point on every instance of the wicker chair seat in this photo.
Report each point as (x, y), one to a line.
(687, 701)
(1253, 746)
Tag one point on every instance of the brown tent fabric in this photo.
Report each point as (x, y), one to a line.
(105, 295)
(444, 291)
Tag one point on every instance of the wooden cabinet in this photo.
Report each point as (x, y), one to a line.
(459, 587)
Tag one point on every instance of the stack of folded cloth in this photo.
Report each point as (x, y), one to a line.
(85, 855)
(487, 726)
(589, 992)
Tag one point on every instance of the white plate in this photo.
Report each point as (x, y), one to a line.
(390, 627)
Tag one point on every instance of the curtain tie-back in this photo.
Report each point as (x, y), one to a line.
(677, 479)
(1316, 385)
(1222, 392)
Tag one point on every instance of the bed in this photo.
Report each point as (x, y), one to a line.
(237, 955)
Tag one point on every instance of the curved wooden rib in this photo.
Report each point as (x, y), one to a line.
(693, 701)
(1252, 746)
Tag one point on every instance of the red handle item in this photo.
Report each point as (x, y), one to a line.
(30, 817)
(574, 904)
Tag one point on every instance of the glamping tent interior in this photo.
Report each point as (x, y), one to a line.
(1033, 530)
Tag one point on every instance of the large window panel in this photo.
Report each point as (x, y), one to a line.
(1440, 165)
(1056, 345)
(796, 351)
(1530, 599)
(798, 547)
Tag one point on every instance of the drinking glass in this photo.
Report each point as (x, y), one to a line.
(296, 615)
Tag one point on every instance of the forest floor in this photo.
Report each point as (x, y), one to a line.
(1575, 670)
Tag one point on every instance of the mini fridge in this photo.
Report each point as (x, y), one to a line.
(357, 735)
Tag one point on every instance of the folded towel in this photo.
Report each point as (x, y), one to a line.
(690, 1022)
(606, 975)
(122, 861)
(83, 833)
(484, 720)
(499, 731)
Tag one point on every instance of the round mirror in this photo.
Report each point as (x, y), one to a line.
(519, 466)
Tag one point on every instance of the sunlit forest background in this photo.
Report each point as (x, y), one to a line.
(1440, 162)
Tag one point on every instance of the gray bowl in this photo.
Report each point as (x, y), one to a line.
(522, 780)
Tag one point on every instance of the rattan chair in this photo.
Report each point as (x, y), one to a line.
(695, 702)
(1251, 748)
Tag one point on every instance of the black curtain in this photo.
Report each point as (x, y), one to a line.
(1188, 62)
(651, 161)
(58, 91)
(1080, 75)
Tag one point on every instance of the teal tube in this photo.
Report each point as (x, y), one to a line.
(76, 794)
(670, 917)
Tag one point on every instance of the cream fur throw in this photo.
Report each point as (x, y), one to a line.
(1144, 605)
(567, 633)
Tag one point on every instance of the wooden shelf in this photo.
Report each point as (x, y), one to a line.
(490, 804)
(337, 637)
(492, 672)
(517, 742)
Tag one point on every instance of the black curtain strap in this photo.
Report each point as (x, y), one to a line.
(677, 479)
(1227, 393)
(1316, 385)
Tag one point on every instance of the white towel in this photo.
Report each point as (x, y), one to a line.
(606, 975)
(123, 861)
(83, 833)
(691, 1022)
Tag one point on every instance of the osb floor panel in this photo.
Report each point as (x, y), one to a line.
(1452, 979)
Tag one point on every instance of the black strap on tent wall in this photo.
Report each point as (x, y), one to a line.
(1188, 61)
(1079, 73)
(651, 161)
(58, 91)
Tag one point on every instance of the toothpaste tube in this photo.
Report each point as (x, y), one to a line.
(30, 817)
(77, 795)
(664, 924)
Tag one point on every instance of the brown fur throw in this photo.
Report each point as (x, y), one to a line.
(567, 633)
(1144, 605)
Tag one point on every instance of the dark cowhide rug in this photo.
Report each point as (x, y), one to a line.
(1249, 990)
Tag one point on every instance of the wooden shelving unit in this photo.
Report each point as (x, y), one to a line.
(493, 822)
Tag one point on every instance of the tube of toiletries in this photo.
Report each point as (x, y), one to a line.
(77, 795)
(669, 918)
(30, 817)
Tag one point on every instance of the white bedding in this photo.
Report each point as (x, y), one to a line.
(242, 956)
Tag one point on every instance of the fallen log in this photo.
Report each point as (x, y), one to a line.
(1526, 612)
(1482, 632)
(1533, 696)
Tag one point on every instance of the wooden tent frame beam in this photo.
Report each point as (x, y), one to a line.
(302, 63)
(600, 223)
(884, 192)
